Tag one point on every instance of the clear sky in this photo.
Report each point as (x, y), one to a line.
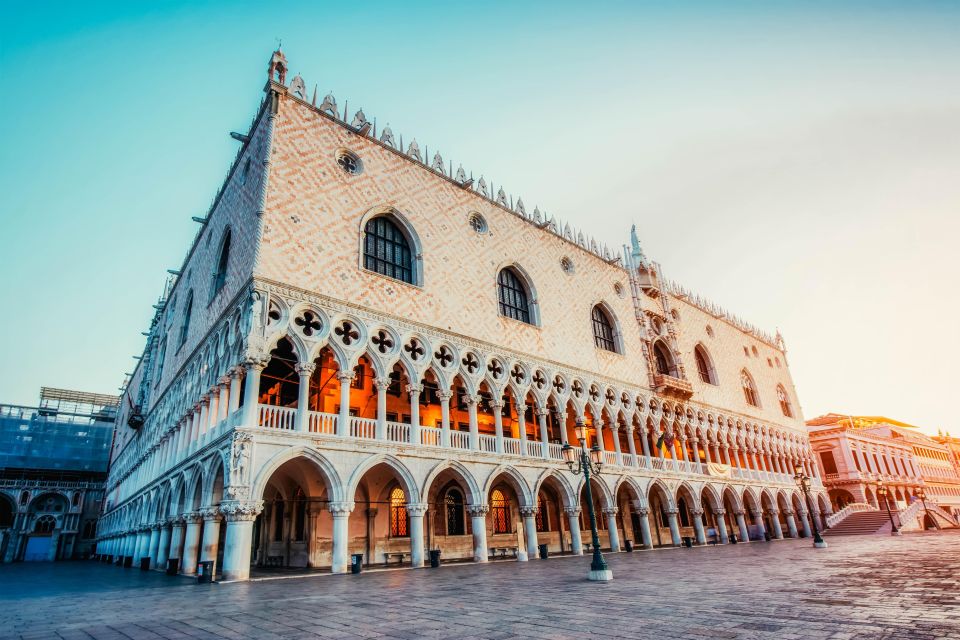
(798, 163)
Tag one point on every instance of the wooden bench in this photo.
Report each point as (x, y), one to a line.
(274, 561)
(502, 551)
(712, 536)
(399, 555)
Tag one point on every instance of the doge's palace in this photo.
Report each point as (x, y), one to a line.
(370, 350)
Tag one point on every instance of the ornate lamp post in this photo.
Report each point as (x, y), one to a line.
(883, 492)
(926, 514)
(803, 480)
(588, 461)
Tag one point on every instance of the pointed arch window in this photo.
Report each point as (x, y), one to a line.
(453, 503)
(704, 365)
(784, 401)
(220, 275)
(399, 519)
(603, 334)
(45, 524)
(185, 324)
(749, 389)
(663, 358)
(386, 250)
(513, 296)
(500, 510)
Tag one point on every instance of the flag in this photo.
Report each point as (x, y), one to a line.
(660, 441)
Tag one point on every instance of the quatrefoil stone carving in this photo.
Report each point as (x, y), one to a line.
(347, 332)
(309, 323)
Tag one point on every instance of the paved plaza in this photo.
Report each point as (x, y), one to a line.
(861, 587)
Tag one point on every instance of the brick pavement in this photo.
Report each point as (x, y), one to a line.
(870, 587)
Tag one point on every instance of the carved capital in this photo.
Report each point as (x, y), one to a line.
(477, 510)
(720, 512)
(445, 395)
(341, 509)
(643, 511)
(382, 383)
(471, 399)
(414, 388)
(254, 363)
(572, 511)
(345, 377)
(739, 512)
(696, 513)
(192, 517)
(210, 514)
(529, 512)
(610, 511)
(305, 368)
(417, 510)
(241, 510)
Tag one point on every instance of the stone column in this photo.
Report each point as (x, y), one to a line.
(213, 411)
(573, 519)
(706, 451)
(598, 424)
(154, 544)
(415, 512)
(529, 515)
(251, 392)
(142, 545)
(791, 524)
(211, 533)
(497, 408)
(612, 529)
(775, 519)
(474, 425)
(176, 538)
(160, 560)
(223, 411)
(343, 421)
(414, 390)
(631, 445)
(522, 426)
(445, 417)
(645, 441)
(674, 527)
(698, 532)
(805, 524)
(615, 433)
(758, 521)
(341, 515)
(304, 371)
(544, 434)
(191, 543)
(742, 526)
(235, 374)
(478, 522)
(643, 515)
(236, 544)
(204, 420)
(722, 526)
(382, 384)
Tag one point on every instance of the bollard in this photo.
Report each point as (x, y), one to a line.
(544, 551)
(434, 558)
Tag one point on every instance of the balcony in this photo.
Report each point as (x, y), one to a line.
(672, 386)
(273, 418)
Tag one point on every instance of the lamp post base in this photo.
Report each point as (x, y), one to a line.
(600, 575)
(895, 532)
(820, 545)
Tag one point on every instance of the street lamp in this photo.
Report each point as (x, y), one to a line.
(587, 461)
(882, 491)
(926, 514)
(804, 481)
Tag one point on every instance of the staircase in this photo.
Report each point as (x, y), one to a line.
(860, 523)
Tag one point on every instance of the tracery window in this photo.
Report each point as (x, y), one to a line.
(663, 359)
(220, 275)
(784, 401)
(500, 509)
(704, 367)
(399, 520)
(603, 330)
(749, 390)
(185, 324)
(512, 295)
(454, 508)
(386, 250)
(45, 524)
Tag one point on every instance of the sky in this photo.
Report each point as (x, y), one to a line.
(797, 163)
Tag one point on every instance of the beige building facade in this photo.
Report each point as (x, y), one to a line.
(369, 351)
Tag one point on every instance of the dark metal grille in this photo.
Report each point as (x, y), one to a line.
(501, 512)
(602, 330)
(386, 250)
(398, 514)
(454, 506)
(703, 368)
(513, 296)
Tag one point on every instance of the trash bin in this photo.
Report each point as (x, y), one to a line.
(766, 536)
(205, 571)
(733, 538)
(628, 546)
(434, 558)
(688, 542)
(144, 564)
(544, 551)
(127, 562)
(356, 563)
(173, 566)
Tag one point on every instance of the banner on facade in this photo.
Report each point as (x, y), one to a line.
(719, 470)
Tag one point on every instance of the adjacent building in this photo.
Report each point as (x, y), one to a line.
(369, 350)
(854, 452)
(53, 465)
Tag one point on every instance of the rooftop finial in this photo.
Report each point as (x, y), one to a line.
(635, 244)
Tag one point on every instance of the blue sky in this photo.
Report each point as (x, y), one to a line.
(798, 163)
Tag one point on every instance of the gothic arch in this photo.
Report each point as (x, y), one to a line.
(326, 470)
(405, 478)
(514, 479)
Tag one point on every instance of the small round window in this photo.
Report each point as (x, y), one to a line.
(477, 223)
(567, 265)
(349, 162)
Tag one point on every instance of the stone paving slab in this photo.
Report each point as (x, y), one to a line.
(860, 588)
